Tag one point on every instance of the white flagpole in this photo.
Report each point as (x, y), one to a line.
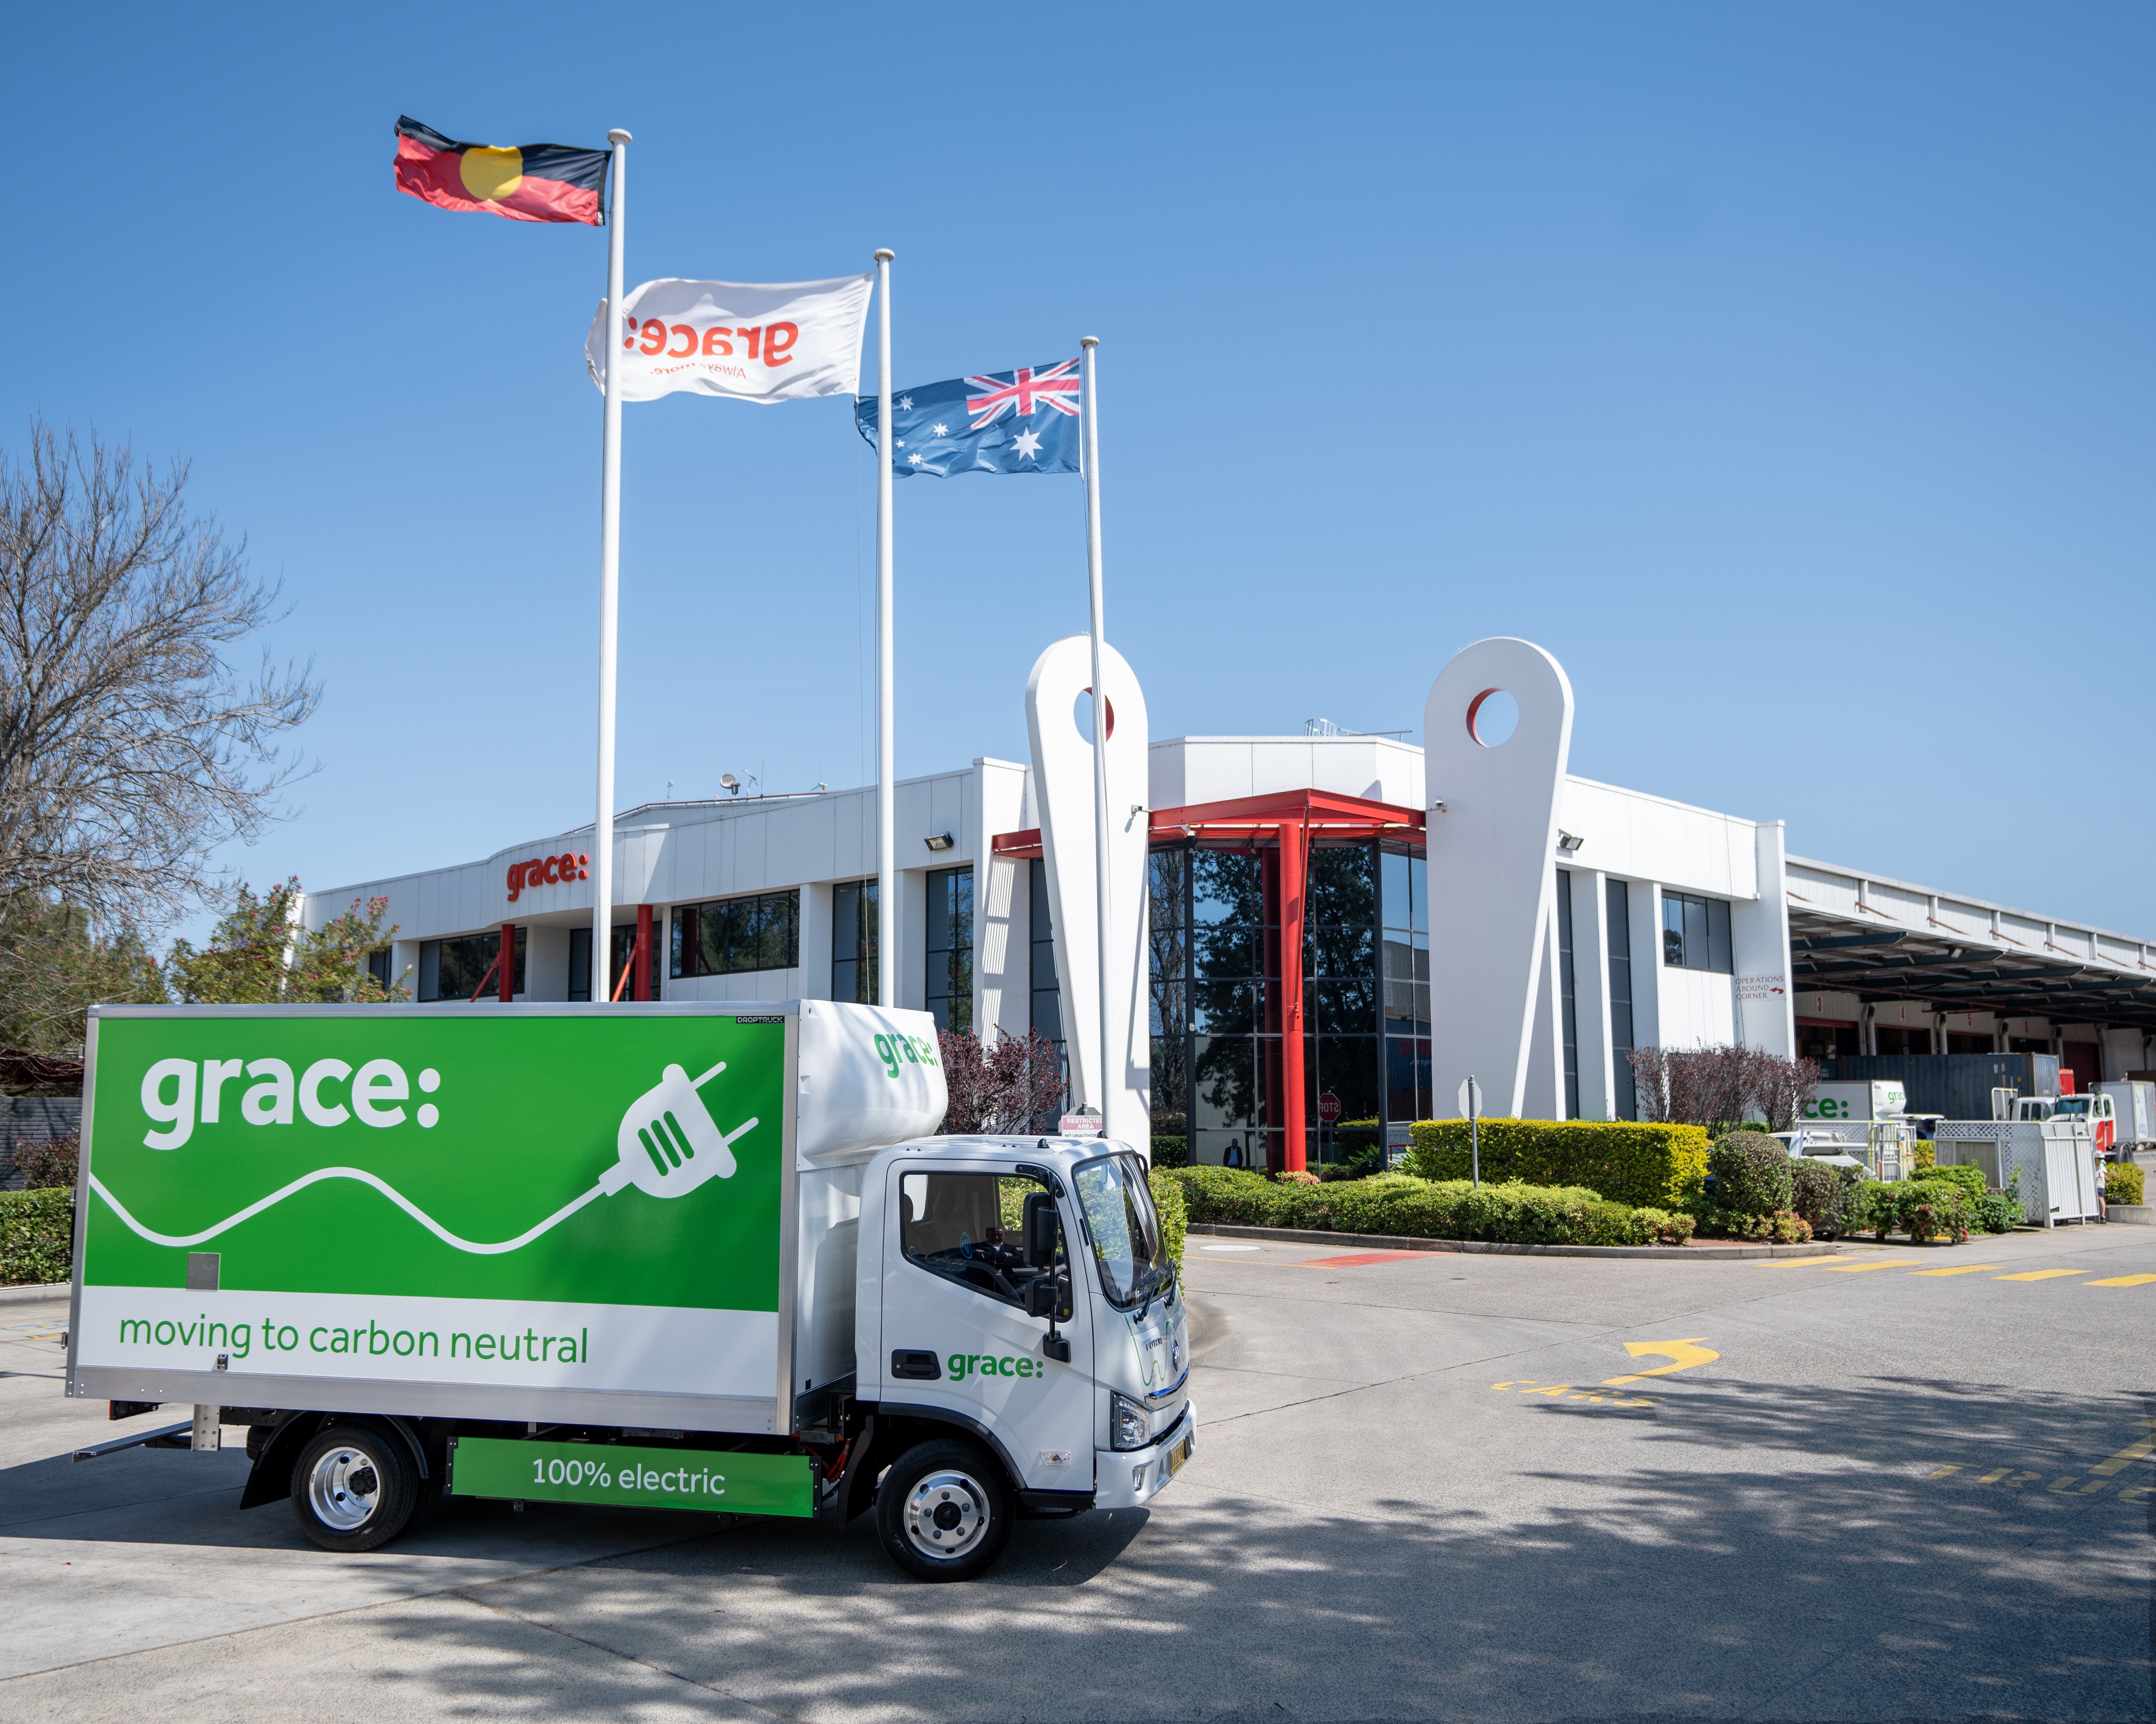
(1091, 459)
(610, 587)
(887, 948)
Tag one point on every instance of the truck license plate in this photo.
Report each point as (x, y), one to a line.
(1177, 1455)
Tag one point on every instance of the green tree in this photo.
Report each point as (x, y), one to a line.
(55, 965)
(260, 955)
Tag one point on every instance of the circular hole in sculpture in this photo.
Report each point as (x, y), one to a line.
(1082, 712)
(1492, 716)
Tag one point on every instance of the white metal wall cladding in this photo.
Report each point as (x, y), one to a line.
(1491, 867)
(1063, 781)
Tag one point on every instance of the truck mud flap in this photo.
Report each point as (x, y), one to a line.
(270, 1478)
(856, 1486)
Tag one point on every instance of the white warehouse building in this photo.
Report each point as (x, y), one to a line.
(1465, 907)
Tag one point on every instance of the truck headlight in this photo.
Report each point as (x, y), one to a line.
(1129, 1425)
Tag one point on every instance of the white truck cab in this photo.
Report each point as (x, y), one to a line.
(1014, 1301)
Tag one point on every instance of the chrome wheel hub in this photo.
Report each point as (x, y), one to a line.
(343, 1488)
(947, 1514)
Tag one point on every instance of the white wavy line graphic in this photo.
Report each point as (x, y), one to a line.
(364, 1178)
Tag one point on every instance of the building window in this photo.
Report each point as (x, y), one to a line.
(949, 984)
(731, 936)
(377, 966)
(1047, 995)
(1168, 933)
(1341, 992)
(1235, 1042)
(1696, 933)
(1619, 902)
(622, 936)
(455, 969)
(854, 942)
(1404, 909)
(1567, 997)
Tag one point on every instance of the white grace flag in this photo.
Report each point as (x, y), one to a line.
(769, 341)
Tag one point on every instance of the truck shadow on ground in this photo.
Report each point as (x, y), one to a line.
(1863, 1589)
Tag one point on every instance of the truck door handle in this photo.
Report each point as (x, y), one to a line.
(920, 1367)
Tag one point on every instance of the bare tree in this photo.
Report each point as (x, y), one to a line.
(1017, 1086)
(130, 747)
(1721, 1086)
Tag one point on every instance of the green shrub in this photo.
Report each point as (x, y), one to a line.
(1657, 1165)
(1872, 1209)
(1751, 1174)
(2124, 1184)
(1400, 1204)
(1928, 1210)
(1999, 1211)
(1170, 1152)
(1968, 1179)
(37, 1235)
(1368, 1160)
(1820, 1194)
(1174, 1215)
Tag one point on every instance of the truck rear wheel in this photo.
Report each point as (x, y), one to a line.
(944, 1511)
(353, 1488)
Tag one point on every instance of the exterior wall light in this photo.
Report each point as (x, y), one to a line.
(1570, 843)
(940, 842)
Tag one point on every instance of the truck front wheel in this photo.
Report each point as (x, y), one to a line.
(353, 1488)
(944, 1511)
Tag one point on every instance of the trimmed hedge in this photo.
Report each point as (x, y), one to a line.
(2124, 1184)
(37, 1236)
(1649, 1166)
(1511, 1213)
(1174, 1215)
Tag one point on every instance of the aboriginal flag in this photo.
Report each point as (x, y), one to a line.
(530, 182)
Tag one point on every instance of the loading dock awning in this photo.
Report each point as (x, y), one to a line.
(1954, 971)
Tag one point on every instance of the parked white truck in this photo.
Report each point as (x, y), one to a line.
(520, 1252)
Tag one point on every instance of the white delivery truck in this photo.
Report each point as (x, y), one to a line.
(685, 1255)
(1880, 1099)
(2133, 1108)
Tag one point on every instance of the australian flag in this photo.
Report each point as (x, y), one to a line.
(1022, 421)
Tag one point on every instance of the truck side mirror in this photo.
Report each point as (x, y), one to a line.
(1040, 1229)
(1041, 1297)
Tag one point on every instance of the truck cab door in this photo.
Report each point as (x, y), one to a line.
(955, 1323)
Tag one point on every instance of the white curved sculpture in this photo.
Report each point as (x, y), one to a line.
(1492, 863)
(1063, 788)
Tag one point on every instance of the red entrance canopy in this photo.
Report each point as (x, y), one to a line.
(1293, 819)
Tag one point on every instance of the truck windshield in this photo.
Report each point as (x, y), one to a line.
(2073, 1106)
(1126, 1242)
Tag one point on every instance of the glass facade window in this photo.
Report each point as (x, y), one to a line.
(1618, 903)
(377, 966)
(1216, 998)
(1403, 899)
(1047, 992)
(623, 937)
(454, 969)
(854, 942)
(1167, 930)
(1696, 933)
(729, 937)
(949, 983)
(580, 963)
(1567, 994)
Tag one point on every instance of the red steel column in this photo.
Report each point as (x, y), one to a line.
(1292, 862)
(642, 952)
(507, 966)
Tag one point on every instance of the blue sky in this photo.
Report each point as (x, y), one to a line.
(1785, 371)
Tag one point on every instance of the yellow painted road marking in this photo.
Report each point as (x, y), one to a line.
(1967, 1269)
(1688, 1354)
(2127, 1456)
(1793, 1262)
(2040, 1275)
(2122, 1281)
(1858, 1269)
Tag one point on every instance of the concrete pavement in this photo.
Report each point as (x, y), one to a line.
(1891, 1494)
